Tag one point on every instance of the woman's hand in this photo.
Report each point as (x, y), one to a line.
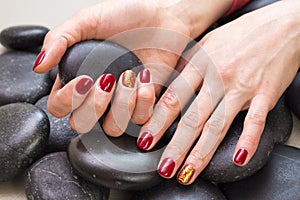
(156, 31)
(246, 64)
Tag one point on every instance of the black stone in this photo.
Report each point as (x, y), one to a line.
(293, 95)
(18, 83)
(52, 177)
(94, 58)
(117, 162)
(24, 131)
(278, 179)
(278, 127)
(23, 37)
(171, 189)
(60, 130)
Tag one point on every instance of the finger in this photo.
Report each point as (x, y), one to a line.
(253, 127)
(178, 93)
(63, 100)
(116, 121)
(145, 98)
(213, 133)
(81, 26)
(189, 128)
(87, 115)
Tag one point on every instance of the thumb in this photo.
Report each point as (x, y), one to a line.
(81, 26)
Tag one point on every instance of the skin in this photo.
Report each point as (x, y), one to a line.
(96, 23)
(247, 63)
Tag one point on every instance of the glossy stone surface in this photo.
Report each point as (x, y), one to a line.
(94, 58)
(53, 178)
(171, 189)
(277, 130)
(23, 37)
(117, 162)
(293, 95)
(278, 179)
(24, 131)
(60, 130)
(18, 83)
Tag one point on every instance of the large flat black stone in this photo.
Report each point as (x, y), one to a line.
(278, 179)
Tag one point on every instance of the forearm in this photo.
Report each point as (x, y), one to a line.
(197, 15)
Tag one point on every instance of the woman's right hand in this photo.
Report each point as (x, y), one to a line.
(157, 32)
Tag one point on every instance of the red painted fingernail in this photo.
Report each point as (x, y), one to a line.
(39, 59)
(145, 76)
(107, 82)
(145, 141)
(240, 156)
(166, 167)
(83, 86)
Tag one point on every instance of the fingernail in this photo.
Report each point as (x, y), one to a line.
(83, 86)
(145, 76)
(145, 141)
(107, 82)
(240, 156)
(166, 167)
(39, 59)
(128, 78)
(185, 174)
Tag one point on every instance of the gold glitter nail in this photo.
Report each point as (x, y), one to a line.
(185, 174)
(128, 78)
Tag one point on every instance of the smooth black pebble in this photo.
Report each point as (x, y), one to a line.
(278, 179)
(18, 83)
(117, 162)
(293, 95)
(24, 131)
(53, 178)
(60, 129)
(278, 128)
(171, 189)
(23, 37)
(94, 58)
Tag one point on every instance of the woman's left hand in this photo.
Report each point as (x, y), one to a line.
(246, 64)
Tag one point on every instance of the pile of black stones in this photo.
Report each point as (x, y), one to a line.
(55, 162)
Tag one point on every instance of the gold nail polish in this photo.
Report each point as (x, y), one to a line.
(185, 174)
(128, 78)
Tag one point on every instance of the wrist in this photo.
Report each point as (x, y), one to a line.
(197, 15)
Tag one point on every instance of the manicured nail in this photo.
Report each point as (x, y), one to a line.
(145, 76)
(107, 82)
(240, 156)
(185, 174)
(83, 86)
(145, 141)
(128, 78)
(39, 59)
(166, 167)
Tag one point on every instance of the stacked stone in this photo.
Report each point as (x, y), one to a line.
(58, 163)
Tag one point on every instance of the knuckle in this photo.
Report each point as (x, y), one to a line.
(257, 118)
(191, 120)
(215, 125)
(170, 99)
(177, 150)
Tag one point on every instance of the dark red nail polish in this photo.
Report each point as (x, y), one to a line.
(145, 76)
(83, 86)
(166, 167)
(39, 59)
(145, 141)
(107, 82)
(240, 156)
